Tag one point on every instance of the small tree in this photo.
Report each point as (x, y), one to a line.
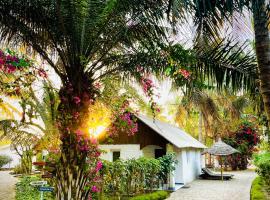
(244, 140)
(4, 160)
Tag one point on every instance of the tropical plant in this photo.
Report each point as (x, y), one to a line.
(262, 162)
(28, 133)
(91, 40)
(244, 140)
(24, 191)
(135, 176)
(210, 16)
(4, 159)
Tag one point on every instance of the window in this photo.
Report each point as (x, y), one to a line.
(116, 155)
(159, 153)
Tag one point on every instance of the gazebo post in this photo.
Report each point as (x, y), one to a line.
(221, 168)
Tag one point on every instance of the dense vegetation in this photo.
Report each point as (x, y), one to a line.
(4, 159)
(135, 176)
(160, 195)
(257, 190)
(24, 191)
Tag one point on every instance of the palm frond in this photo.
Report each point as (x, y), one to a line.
(85, 35)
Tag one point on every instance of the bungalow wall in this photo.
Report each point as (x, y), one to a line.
(127, 151)
(189, 166)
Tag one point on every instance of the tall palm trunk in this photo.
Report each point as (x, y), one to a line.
(71, 173)
(200, 134)
(262, 44)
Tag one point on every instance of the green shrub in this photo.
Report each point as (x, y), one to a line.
(159, 195)
(256, 192)
(262, 162)
(135, 176)
(4, 159)
(24, 191)
(18, 169)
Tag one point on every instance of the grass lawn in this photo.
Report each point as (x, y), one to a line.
(259, 191)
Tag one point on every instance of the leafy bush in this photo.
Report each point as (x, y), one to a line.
(256, 192)
(159, 195)
(167, 165)
(135, 176)
(24, 191)
(244, 140)
(262, 162)
(18, 169)
(4, 159)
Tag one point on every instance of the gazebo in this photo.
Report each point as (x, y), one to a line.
(221, 149)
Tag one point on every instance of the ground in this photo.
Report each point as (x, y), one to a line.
(7, 186)
(236, 189)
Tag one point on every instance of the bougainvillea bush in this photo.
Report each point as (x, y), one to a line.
(244, 140)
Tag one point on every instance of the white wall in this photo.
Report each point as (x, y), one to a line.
(149, 151)
(127, 151)
(189, 166)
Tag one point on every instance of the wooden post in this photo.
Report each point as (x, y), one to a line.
(221, 163)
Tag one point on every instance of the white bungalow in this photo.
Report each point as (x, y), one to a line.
(154, 139)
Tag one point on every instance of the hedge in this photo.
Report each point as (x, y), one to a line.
(256, 192)
(262, 162)
(159, 195)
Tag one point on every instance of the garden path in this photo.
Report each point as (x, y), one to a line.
(7, 186)
(236, 189)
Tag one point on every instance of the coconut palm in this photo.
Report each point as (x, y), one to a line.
(210, 16)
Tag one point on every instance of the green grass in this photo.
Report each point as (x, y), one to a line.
(159, 195)
(257, 190)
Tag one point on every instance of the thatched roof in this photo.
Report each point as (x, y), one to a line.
(221, 149)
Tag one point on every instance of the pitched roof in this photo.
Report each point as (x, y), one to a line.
(173, 134)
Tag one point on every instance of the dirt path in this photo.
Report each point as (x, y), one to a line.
(7, 186)
(236, 189)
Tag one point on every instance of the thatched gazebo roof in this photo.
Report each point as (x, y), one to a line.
(221, 149)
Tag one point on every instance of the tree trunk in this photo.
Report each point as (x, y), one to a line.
(262, 44)
(200, 127)
(73, 171)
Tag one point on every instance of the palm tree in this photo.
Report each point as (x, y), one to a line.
(83, 41)
(27, 133)
(210, 16)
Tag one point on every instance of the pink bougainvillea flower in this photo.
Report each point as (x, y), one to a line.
(139, 68)
(94, 189)
(79, 132)
(93, 140)
(249, 131)
(97, 154)
(84, 148)
(76, 115)
(10, 69)
(2, 61)
(184, 73)
(77, 100)
(99, 166)
(97, 85)
(42, 73)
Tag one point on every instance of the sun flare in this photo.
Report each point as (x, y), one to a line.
(99, 119)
